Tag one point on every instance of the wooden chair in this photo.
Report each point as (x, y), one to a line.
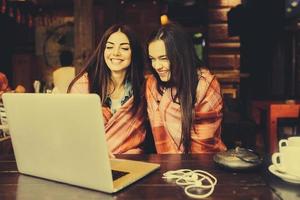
(229, 91)
(3, 121)
(237, 130)
(275, 110)
(62, 77)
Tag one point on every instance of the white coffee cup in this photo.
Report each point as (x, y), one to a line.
(291, 141)
(287, 160)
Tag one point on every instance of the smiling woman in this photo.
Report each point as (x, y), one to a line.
(184, 101)
(117, 53)
(115, 73)
(159, 59)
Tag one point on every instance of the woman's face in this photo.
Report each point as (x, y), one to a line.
(117, 53)
(159, 60)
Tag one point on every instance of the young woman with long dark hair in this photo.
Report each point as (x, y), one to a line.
(184, 100)
(115, 73)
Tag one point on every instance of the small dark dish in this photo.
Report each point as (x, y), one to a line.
(238, 159)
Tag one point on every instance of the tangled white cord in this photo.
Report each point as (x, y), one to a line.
(193, 179)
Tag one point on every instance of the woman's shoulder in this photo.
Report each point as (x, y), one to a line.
(151, 84)
(83, 79)
(149, 77)
(150, 80)
(204, 73)
(81, 85)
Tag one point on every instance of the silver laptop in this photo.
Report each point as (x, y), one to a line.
(61, 137)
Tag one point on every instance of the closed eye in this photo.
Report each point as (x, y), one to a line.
(151, 59)
(163, 58)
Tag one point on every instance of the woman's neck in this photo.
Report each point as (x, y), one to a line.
(117, 79)
(116, 86)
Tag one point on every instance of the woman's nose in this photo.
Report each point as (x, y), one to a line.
(116, 51)
(156, 65)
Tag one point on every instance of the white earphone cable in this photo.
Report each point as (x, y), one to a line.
(193, 180)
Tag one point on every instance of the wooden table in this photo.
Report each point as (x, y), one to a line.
(275, 110)
(259, 184)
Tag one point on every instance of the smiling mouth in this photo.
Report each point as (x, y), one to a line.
(163, 73)
(116, 61)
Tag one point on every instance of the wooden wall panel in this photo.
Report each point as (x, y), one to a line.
(84, 39)
(223, 62)
(132, 17)
(228, 45)
(23, 70)
(99, 23)
(224, 48)
(142, 17)
(223, 3)
(219, 32)
(218, 15)
(223, 51)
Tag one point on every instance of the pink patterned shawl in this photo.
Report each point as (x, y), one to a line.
(165, 117)
(125, 133)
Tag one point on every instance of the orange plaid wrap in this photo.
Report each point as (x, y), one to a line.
(125, 132)
(165, 117)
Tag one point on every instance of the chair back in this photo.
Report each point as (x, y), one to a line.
(62, 77)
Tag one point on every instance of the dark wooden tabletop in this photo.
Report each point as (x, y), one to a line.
(254, 185)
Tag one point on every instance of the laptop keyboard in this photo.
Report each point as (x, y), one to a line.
(118, 174)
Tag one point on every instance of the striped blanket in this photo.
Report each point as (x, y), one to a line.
(125, 133)
(165, 117)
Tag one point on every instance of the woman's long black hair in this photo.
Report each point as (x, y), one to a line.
(99, 74)
(183, 67)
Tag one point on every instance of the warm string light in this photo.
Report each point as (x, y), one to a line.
(293, 4)
(11, 12)
(3, 6)
(30, 21)
(164, 19)
(18, 16)
(21, 15)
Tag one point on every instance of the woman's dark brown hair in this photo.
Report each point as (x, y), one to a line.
(183, 68)
(99, 74)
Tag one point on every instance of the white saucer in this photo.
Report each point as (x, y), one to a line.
(286, 177)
